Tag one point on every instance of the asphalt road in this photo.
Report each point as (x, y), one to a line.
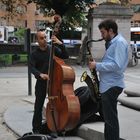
(10, 81)
(14, 86)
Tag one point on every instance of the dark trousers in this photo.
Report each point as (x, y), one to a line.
(110, 113)
(40, 95)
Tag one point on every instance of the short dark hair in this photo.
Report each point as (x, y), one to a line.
(109, 24)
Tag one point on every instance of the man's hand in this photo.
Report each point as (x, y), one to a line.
(44, 76)
(55, 40)
(92, 64)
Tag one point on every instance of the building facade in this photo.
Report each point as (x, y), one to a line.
(27, 15)
(30, 16)
(135, 21)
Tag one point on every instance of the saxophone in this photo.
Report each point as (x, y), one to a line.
(93, 81)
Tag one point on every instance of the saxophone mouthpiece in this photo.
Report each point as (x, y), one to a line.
(92, 40)
(101, 39)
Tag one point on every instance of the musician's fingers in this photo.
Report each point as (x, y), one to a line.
(92, 64)
(89, 64)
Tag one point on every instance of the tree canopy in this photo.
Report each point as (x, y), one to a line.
(72, 11)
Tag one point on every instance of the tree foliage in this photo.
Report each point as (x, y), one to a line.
(20, 33)
(72, 11)
(11, 7)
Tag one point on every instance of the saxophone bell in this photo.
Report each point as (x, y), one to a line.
(84, 76)
(92, 86)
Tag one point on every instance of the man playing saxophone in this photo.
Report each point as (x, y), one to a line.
(111, 74)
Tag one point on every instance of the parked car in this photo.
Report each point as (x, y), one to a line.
(13, 39)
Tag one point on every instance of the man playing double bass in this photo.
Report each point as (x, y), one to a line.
(39, 62)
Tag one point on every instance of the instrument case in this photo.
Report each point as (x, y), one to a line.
(31, 136)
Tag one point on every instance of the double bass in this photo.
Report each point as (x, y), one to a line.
(63, 107)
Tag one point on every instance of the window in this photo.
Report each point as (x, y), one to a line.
(21, 9)
(40, 24)
(2, 6)
(135, 35)
(136, 8)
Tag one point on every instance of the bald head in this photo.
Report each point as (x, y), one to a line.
(41, 38)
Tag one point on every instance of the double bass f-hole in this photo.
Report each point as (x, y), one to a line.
(56, 97)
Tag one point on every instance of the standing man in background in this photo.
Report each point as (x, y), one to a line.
(39, 62)
(111, 73)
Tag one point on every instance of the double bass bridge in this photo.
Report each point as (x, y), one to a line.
(52, 97)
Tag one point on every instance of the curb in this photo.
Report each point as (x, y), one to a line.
(92, 131)
(132, 93)
(131, 102)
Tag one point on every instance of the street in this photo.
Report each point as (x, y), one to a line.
(10, 83)
(14, 87)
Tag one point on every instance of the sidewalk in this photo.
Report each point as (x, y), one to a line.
(19, 116)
